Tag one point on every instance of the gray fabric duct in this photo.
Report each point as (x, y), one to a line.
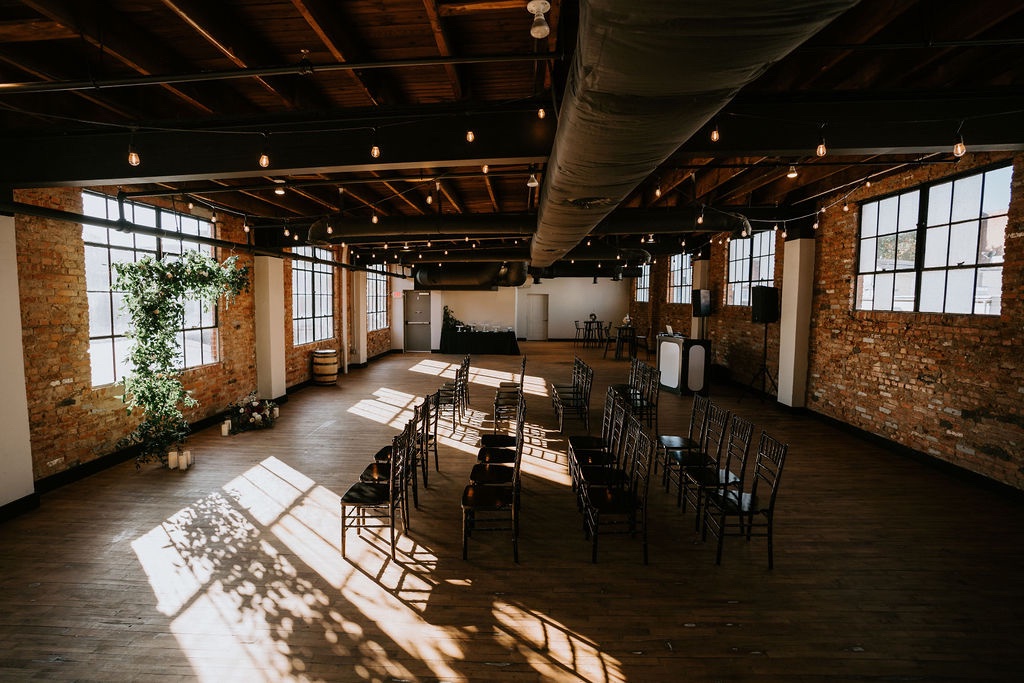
(470, 275)
(646, 75)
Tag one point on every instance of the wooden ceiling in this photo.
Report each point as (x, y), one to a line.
(201, 89)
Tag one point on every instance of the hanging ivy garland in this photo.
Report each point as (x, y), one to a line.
(155, 292)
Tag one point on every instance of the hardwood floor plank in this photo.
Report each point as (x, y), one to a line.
(885, 568)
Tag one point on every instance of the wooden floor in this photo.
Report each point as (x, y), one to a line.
(885, 568)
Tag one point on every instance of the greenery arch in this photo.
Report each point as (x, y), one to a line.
(154, 299)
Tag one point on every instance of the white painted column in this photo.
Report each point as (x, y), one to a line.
(268, 289)
(795, 321)
(359, 317)
(701, 280)
(16, 454)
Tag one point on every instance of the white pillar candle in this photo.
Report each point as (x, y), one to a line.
(225, 428)
(183, 460)
(277, 412)
(172, 460)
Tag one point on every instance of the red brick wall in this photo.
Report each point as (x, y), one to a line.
(951, 386)
(70, 421)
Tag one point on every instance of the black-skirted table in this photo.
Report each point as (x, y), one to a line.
(453, 341)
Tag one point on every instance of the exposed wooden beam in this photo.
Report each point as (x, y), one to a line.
(42, 75)
(453, 9)
(404, 196)
(455, 204)
(430, 7)
(34, 30)
(490, 193)
(126, 43)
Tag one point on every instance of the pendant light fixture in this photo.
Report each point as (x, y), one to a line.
(532, 182)
(265, 155)
(538, 8)
(133, 156)
(792, 171)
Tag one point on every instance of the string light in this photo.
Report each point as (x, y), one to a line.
(264, 155)
(470, 136)
(715, 135)
(279, 190)
(959, 149)
(374, 219)
(287, 232)
(486, 168)
(133, 156)
(245, 226)
(821, 149)
(700, 217)
(374, 148)
(430, 199)
(532, 182)
(846, 206)
(541, 113)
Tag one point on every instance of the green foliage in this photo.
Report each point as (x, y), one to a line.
(449, 320)
(154, 299)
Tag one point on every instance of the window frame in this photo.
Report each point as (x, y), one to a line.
(756, 250)
(312, 296)
(680, 279)
(116, 246)
(377, 295)
(922, 274)
(642, 287)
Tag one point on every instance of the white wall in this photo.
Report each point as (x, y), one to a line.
(16, 454)
(575, 298)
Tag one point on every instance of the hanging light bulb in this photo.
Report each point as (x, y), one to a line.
(213, 217)
(428, 244)
(867, 183)
(245, 227)
(330, 229)
(700, 218)
(375, 151)
(264, 155)
(538, 8)
(532, 182)
(287, 232)
(959, 149)
(846, 206)
(815, 225)
(385, 246)
(486, 168)
(541, 113)
(775, 227)
(279, 190)
(295, 237)
(792, 171)
(715, 135)
(374, 220)
(470, 136)
(133, 156)
(657, 191)
(430, 199)
(821, 150)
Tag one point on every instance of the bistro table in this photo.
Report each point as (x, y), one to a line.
(465, 341)
(592, 332)
(626, 337)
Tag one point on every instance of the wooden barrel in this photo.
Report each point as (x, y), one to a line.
(325, 366)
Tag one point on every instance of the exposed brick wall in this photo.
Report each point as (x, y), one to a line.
(70, 421)
(951, 386)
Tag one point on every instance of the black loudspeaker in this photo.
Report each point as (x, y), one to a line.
(764, 303)
(701, 303)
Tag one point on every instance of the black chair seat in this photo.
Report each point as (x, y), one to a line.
(383, 455)
(498, 441)
(592, 458)
(688, 459)
(491, 475)
(496, 456)
(710, 477)
(613, 501)
(672, 442)
(478, 497)
(367, 494)
(603, 476)
(586, 442)
(376, 472)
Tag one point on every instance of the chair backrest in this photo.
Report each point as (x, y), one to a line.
(771, 455)
(401, 450)
(714, 434)
(698, 418)
(609, 412)
(741, 431)
(578, 326)
(620, 413)
(640, 469)
(522, 373)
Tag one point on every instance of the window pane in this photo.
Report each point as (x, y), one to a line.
(988, 296)
(865, 292)
(887, 215)
(903, 294)
(997, 191)
(97, 268)
(93, 233)
(960, 291)
(120, 317)
(867, 255)
(101, 358)
(122, 346)
(933, 291)
(886, 258)
(100, 320)
(993, 236)
(906, 250)
(967, 198)
(939, 199)
(883, 292)
(908, 210)
(935, 247)
(963, 243)
(193, 348)
(869, 219)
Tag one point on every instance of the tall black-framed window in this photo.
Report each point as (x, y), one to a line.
(680, 279)
(312, 296)
(108, 345)
(643, 284)
(937, 248)
(376, 299)
(751, 264)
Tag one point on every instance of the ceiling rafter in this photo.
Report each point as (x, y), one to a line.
(441, 39)
(42, 75)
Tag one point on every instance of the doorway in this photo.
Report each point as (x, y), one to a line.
(417, 320)
(537, 317)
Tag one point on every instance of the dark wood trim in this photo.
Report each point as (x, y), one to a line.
(19, 506)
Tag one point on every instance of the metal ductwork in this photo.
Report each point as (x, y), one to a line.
(474, 276)
(646, 75)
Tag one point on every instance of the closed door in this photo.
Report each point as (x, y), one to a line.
(537, 317)
(417, 320)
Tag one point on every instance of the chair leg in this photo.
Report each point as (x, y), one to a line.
(343, 531)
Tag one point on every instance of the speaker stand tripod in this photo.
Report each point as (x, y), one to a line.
(763, 373)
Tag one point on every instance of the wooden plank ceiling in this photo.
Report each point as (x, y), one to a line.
(316, 83)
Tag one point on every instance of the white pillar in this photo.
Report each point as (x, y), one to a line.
(268, 290)
(358, 322)
(16, 481)
(795, 321)
(701, 280)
